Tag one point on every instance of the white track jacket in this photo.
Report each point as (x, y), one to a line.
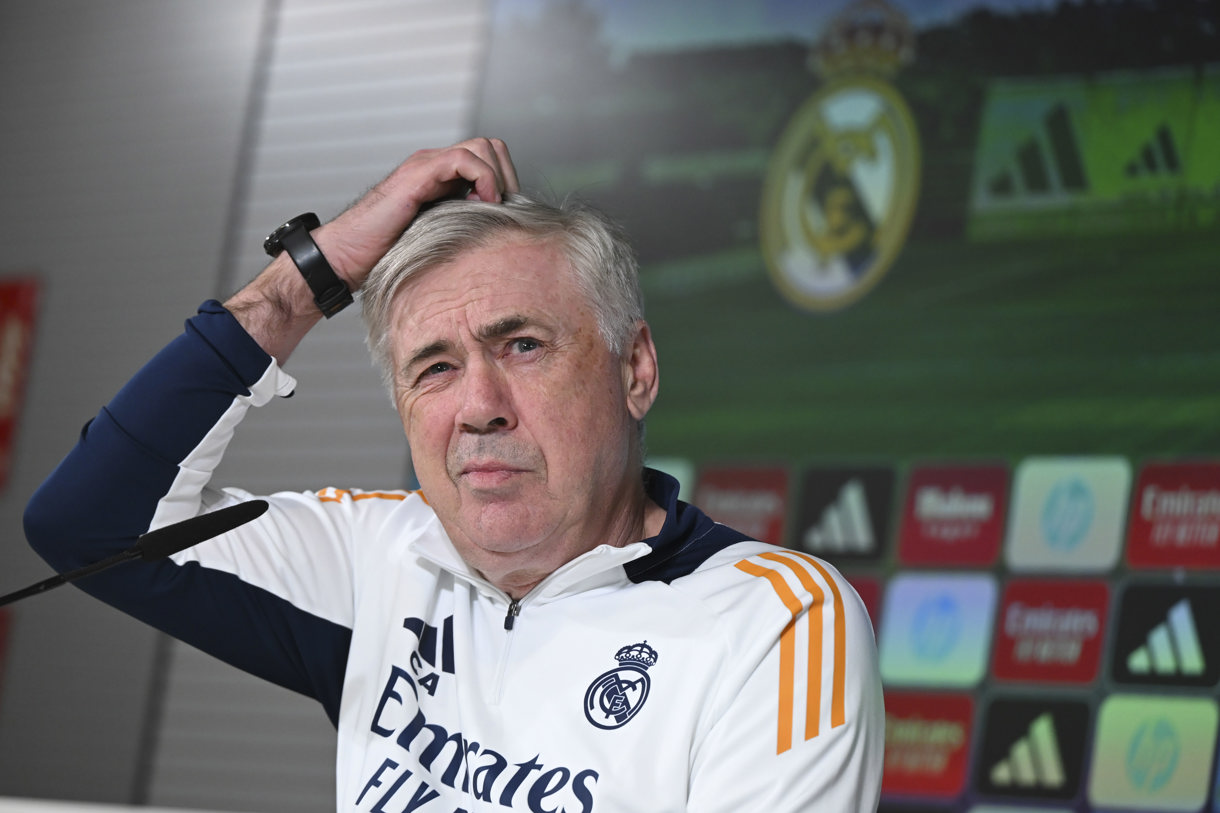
(695, 671)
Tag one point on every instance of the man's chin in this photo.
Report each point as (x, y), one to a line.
(503, 528)
(508, 542)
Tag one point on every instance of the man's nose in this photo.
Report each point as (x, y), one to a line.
(486, 404)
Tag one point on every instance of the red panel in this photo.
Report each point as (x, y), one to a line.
(927, 743)
(1051, 630)
(1175, 516)
(954, 515)
(18, 301)
(751, 499)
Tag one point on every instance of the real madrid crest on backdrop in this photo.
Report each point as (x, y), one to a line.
(618, 695)
(843, 179)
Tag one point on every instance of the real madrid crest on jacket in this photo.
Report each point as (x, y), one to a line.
(693, 671)
(615, 697)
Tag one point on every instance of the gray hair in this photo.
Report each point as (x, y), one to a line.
(601, 260)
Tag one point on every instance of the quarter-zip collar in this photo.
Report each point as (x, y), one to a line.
(603, 565)
(600, 566)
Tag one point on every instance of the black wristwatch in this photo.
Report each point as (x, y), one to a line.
(329, 292)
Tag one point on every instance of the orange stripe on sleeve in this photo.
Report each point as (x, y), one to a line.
(838, 715)
(337, 495)
(813, 680)
(787, 650)
(379, 495)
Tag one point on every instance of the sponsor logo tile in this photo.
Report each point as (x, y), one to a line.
(1068, 514)
(751, 499)
(1153, 753)
(1175, 516)
(1051, 630)
(1167, 635)
(954, 515)
(927, 743)
(845, 512)
(1032, 749)
(937, 629)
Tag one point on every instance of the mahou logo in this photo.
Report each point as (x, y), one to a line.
(1051, 631)
(1175, 516)
(954, 515)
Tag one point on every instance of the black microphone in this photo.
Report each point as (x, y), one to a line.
(158, 544)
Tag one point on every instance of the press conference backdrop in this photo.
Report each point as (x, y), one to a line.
(934, 286)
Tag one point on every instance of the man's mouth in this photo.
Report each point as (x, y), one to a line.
(489, 474)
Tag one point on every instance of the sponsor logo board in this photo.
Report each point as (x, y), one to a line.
(1167, 636)
(937, 629)
(1053, 153)
(1175, 516)
(1068, 513)
(845, 512)
(927, 743)
(753, 500)
(1051, 631)
(954, 515)
(1153, 753)
(1032, 749)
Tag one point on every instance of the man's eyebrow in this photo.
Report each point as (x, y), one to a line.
(426, 352)
(501, 327)
(493, 330)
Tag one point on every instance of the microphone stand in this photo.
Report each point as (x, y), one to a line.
(156, 545)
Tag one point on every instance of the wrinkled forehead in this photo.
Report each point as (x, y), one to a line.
(513, 275)
(491, 249)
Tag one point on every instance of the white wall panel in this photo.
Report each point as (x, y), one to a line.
(120, 129)
(352, 88)
(136, 185)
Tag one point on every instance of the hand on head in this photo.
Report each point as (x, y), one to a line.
(277, 309)
(480, 169)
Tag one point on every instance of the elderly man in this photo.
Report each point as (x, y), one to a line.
(543, 626)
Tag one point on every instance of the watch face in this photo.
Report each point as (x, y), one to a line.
(274, 243)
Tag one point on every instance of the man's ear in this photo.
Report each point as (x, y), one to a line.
(641, 376)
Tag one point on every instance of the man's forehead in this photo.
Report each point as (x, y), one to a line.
(490, 291)
(501, 255)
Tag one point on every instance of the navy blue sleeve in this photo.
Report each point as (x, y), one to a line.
(105, 493)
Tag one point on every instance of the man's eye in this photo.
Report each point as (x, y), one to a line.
(525, 345)
(435, 369)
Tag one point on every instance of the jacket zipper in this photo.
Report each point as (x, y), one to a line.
(514, 610)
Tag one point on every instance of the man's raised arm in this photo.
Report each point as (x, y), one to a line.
(277, 309)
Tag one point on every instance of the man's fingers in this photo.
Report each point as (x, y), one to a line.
(491, 171)
(479, 168)
(508, 171)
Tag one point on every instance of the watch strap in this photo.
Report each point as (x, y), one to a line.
(330, 293)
